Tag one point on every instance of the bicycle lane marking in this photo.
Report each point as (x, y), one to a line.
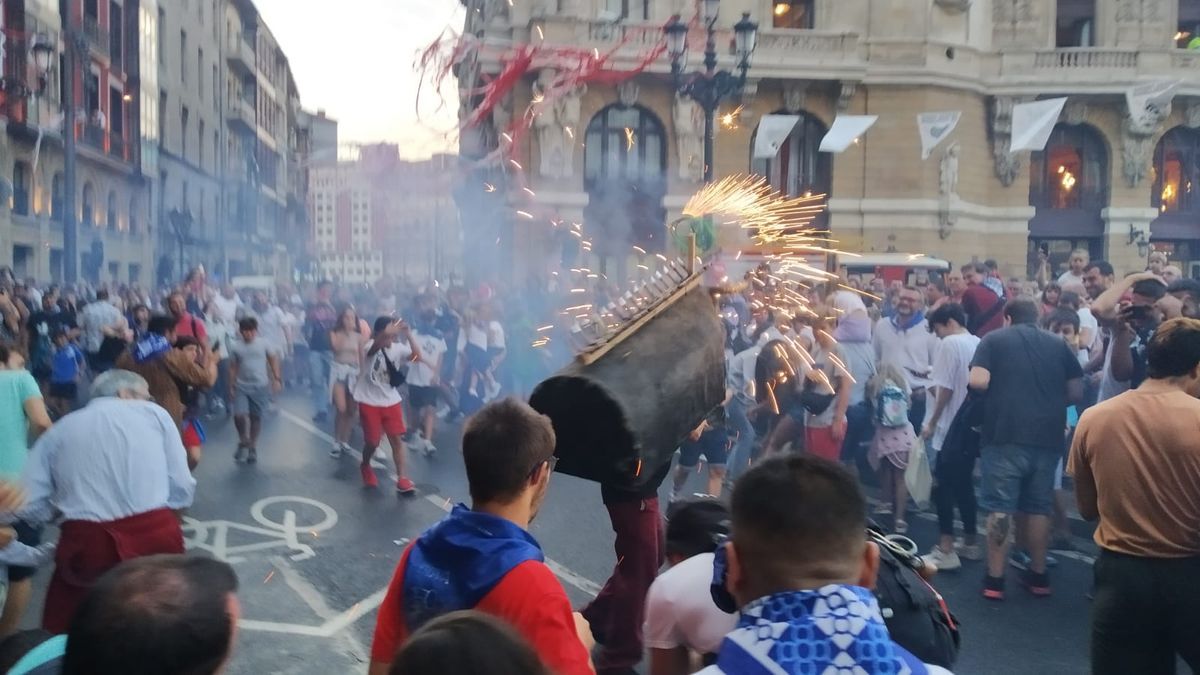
(445, 504)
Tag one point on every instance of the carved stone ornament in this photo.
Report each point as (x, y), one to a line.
(1137, 135)
(953, 6)
(1075, 111)
(795, 95)
(627, 93)
(1007, 164)
(846, 94)
(1191, 113)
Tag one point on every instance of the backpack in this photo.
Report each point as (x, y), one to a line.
(891, 407)
(916, 615)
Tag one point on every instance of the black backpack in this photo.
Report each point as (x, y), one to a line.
(916, 615)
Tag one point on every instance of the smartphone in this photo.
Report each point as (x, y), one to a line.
(1139, 313)
(721, 596)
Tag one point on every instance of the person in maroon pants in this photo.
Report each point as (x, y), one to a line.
(616, 615)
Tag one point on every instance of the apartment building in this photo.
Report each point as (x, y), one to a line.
(1114, 184)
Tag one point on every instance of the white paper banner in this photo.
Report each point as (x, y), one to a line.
(1033, 122)
(772, 131)
(1148, 101)
(845, 130)
(934, 128)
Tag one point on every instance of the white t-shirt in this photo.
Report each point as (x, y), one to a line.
(373, 386)
(680, 610)
(1087, 321)
(951, 370)
(1068, 278)
(424, 373)
(270, 326)
(224, 310)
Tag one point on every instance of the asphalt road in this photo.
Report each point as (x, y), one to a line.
(314, 552)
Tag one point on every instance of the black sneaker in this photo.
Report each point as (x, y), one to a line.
(993, 588)
(253, 456)
(1038, 585)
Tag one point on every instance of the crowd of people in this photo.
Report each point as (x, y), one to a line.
(1022, 386)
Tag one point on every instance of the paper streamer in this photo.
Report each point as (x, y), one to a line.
(935, 127)
(1033, 122)
(845, 130)
(772, 131)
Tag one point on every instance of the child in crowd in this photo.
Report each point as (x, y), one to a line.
(1065, 322)
(894, 438)
(65, 372)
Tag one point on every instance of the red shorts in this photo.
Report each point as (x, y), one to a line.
(378, 421)
(818, 441)
(191, 439)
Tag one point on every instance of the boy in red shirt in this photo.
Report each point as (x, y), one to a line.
(483, 558)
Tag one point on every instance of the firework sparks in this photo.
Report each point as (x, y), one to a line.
(569, 132)
(630, 138)
(488, 187)
(525, 214)
(730, 119)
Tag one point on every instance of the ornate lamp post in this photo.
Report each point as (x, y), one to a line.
(710, 87)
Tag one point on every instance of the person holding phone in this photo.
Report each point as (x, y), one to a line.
(379, 404)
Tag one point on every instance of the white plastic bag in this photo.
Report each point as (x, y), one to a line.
(918, 476)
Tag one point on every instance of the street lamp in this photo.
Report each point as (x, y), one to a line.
(43, 54)
(710, 87)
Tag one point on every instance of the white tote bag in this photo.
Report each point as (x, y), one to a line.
(919, 476)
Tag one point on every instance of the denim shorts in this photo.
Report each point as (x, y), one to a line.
(1018, 478)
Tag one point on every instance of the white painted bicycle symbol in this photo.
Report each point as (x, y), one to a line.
(231, 541)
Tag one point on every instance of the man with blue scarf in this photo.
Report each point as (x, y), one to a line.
(904, 341)
(800, 569)
(482, 557)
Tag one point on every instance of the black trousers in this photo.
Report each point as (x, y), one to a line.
(954, 472)
(1145, 614)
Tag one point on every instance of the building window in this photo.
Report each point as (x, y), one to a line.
(794, 14)
(111, 217)
(183, 131)
(1176, 186)
(799, 168)
(56, 198)
(1072, 172)
(215, 85)
(116, 31)
(183, 56)
(133, 220)
(200, 70)
(20, 182)
(1188, 35)
(162, 37)
(162, 117)
(89, 205)
(1076, 23)
(200, 145)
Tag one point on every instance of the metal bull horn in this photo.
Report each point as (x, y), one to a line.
(622, 407)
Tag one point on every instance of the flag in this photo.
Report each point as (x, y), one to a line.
(1033, 122)
(1148, 101)
(845, 130)
(935, 127)
(772, 131)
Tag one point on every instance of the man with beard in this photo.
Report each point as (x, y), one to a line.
(483, 557)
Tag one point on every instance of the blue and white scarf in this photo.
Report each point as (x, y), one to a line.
(834, 630)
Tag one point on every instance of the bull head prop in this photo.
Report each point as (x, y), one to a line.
(621, 408)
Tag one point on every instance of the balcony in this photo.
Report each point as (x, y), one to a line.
(814, 52)
(1085, 57)
(97, 37)
(241, 115)
(240, 54)
(1086, 68)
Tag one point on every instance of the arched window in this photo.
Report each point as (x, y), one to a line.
(20, 183)
(1072, 172)
(56, 198)
(799, 168)
(89, 204)
(792, 13)
(624, 143)
(624, 173)
(1076, 23)
(1176, 185)
(133, 215)
(111, 212)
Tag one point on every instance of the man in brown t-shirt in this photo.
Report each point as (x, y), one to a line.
(1136, 464)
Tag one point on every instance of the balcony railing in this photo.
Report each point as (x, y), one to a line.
(1085, 57)
(99, 139)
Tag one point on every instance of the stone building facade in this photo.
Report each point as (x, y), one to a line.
(1104, 182)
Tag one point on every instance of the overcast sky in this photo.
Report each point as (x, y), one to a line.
(357, 63)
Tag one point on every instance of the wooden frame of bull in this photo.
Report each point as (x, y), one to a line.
(623, 406)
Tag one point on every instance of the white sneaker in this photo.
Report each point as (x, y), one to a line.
(428, 448)
(944, 562)
(336, 451)
(971, 552)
